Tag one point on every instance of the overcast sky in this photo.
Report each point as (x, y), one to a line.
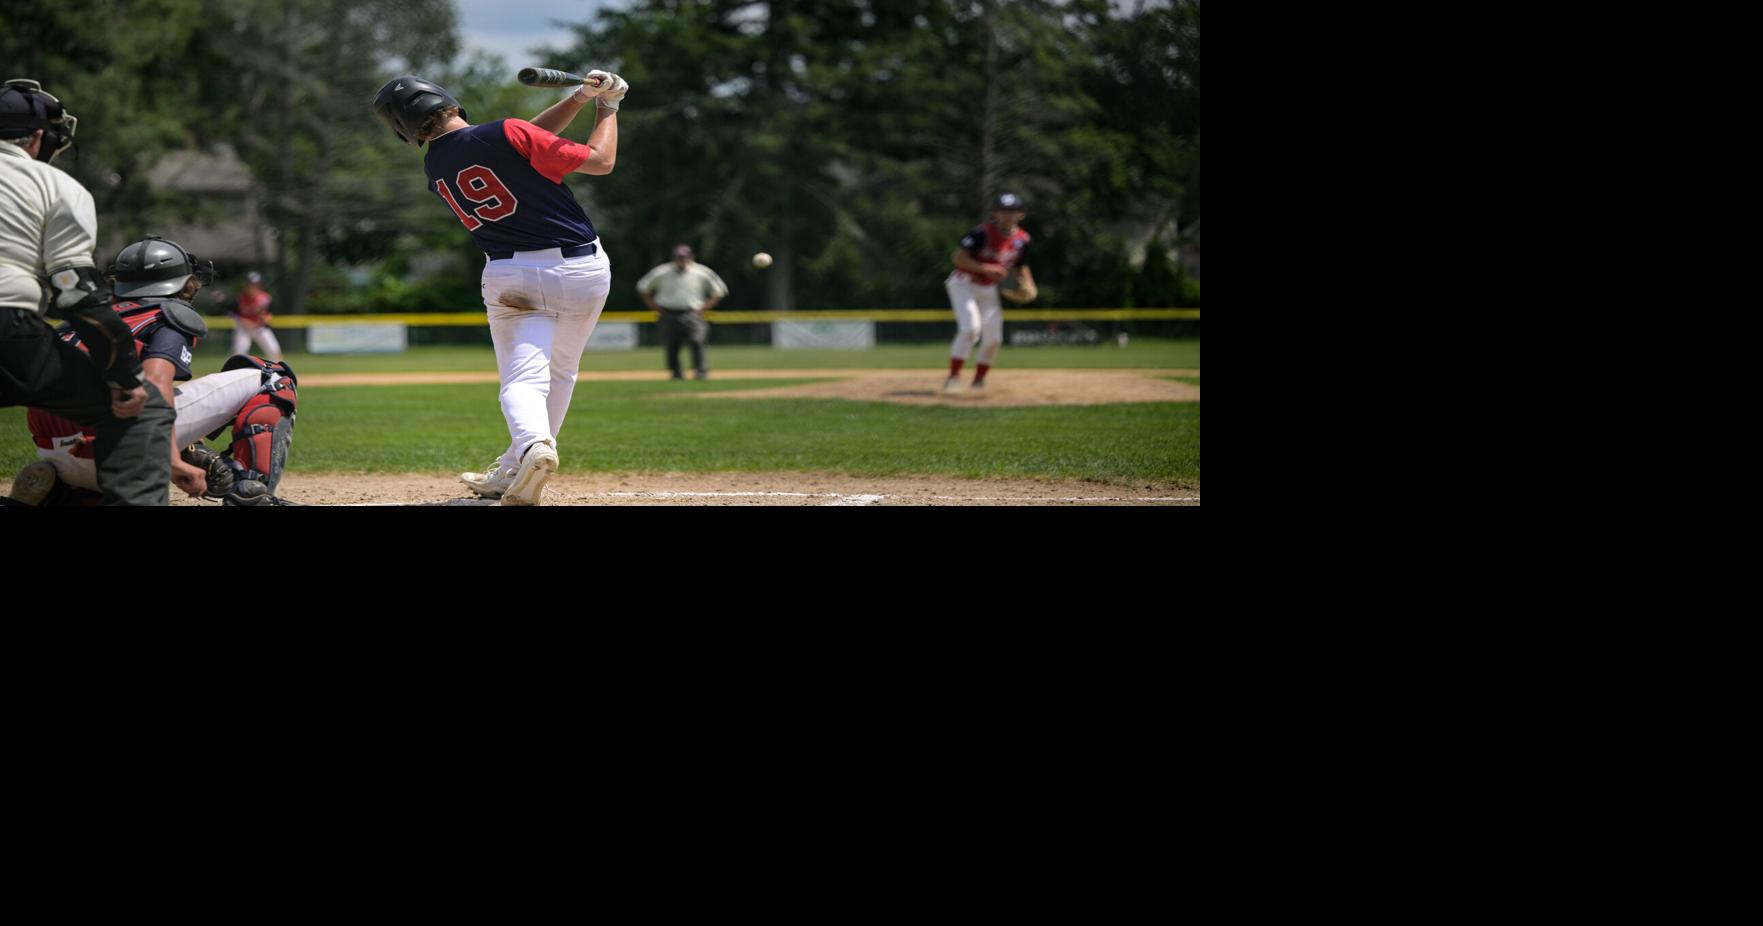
(510, 27)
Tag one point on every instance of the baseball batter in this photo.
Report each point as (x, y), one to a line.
(546, 274)
(155, 281)
(986, 256)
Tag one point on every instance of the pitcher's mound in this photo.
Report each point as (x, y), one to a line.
(1007, 387)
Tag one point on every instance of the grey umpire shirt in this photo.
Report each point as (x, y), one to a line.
(46, 220)
(682, 290)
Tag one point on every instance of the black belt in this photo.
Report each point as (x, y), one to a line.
(580, 250)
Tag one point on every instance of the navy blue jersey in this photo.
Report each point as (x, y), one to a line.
(504, 180)
(154, 336)
(168, 343)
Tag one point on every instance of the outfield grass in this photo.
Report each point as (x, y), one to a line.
(1142, 353)
(625, 426)
(657, 426)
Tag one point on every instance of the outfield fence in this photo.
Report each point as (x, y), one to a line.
(737, 317)
(799, 328)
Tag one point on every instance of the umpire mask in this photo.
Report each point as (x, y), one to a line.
(26, 107)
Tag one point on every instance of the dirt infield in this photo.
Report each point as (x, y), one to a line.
(907, 387)
(1016, 387)
(724, 489)
(778, 488)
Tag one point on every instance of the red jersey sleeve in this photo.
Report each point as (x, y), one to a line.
(551, 156)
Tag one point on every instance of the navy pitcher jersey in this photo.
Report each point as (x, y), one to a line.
(504, 180)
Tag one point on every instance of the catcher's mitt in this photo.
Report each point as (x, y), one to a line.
(1017, 289)
(214, 468)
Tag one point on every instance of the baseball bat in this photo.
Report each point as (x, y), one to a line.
(546, 77)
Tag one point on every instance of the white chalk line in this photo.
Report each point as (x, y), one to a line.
(838, 499)
(854, 501)
(872, 499)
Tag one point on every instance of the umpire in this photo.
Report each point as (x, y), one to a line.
(48, 231)
(680, 292)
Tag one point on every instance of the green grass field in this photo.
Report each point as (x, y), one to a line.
(1144, 353)
(659, 426)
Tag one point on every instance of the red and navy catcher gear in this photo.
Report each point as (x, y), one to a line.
(264, 427)
(405, 103)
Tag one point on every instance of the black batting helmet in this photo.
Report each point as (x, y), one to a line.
(25, 107)
(406, 102)
(1009, 201)
(156, 266)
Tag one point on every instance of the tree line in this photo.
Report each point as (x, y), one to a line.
(854, 140)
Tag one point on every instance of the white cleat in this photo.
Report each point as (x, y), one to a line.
(952, 386)
(490, 483)
(536, 468)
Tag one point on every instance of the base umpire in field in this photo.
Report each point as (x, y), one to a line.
(48, 231)
(680, 292)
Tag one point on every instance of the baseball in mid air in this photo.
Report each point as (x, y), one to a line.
(762, 260)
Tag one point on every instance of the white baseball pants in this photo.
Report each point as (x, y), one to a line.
(978, 317)
(244, 334)
(543, 308)
(202, 404)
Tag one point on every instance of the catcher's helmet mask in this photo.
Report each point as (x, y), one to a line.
(156, 266)
(26, 107)
(406, 102)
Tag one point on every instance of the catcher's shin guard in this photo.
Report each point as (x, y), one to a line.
(264, 427)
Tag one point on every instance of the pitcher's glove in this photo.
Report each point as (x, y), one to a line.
(214, 469)
(1016, 289)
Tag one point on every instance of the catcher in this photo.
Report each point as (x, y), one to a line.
(154, 281)
(990, 262)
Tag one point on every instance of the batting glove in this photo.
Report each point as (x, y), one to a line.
(598, 83)
(614, 94)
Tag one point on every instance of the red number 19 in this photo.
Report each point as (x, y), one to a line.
(481, 186)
